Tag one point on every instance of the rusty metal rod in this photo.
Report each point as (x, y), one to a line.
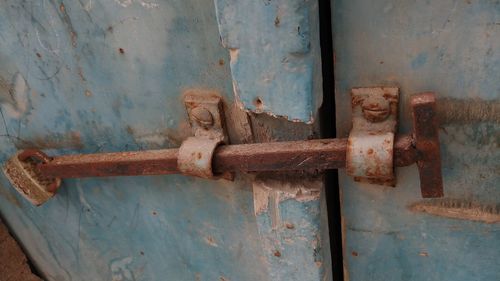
(319, 154)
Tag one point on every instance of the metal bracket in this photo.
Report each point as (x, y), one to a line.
(370, 149)
(206, 115)
(370, 153)
(22, 171)
(207, 122)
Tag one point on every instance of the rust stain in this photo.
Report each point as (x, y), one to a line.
(211, 241)
(467, 111)
(425, 128)
(463, 209)
(259, 104)
(80, 74)
(22, 172)
(52, 141)
(268, 193)
(69, 24)
(7, 91)
(239, 127)
(369, 154)
(268, 128)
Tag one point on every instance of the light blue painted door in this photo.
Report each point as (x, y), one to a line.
(108, 75)
(451, 47)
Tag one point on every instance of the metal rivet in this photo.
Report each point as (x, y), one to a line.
(376, 111)
(202, 117)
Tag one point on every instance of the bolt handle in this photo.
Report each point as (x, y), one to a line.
(426, 138)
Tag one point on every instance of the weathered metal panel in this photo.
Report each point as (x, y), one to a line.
(452, 48)
(108, 76)
(275, 55)
(95, 76)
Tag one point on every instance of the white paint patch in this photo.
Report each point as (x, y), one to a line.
(88, 6)
(48, 47)
(154, 140)
(120, 271)
(149, 5)
(271, 192)
(233, 55)
(81, 197)
(144, 4)
(388, 8)
(19, 94)
(124, 3)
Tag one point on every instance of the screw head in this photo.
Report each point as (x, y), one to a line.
(376, 110)
(202, 117)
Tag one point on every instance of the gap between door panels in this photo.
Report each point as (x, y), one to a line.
(328, 130)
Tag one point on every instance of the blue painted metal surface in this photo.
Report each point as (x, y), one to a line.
(275, 55)
(293, 232)
(452, 48)
(91, 76)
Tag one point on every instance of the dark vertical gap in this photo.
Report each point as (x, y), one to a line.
(328, 130)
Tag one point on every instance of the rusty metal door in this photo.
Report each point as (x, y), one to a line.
(453, 49)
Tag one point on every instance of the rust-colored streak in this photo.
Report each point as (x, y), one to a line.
(405, 153)
(274, 156)
(464, 209)
(151, 162)
(425, 128)
(281, 156)
(467, 111)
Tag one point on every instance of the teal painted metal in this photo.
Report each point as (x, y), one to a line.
(275, 66)
(293, 232)
(275, 55)
(91, 76)
(452, 48)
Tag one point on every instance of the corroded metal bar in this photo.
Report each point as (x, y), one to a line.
(148, 162)
(275, 156)
(425, 128)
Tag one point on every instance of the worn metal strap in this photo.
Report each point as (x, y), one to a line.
(195, 157)
(370, 148)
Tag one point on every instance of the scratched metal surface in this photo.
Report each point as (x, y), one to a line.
(90, 76)
(451, 47)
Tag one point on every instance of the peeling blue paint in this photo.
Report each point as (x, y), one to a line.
(275, 55)
(95, 76)
(103, 77)
(290, 218)
(453, 48)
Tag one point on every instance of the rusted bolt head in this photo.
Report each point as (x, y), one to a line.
(202, 117)
(376, 109)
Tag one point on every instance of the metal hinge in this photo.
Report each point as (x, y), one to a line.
(370, 153)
